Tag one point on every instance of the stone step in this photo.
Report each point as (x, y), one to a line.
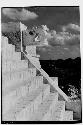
(34, 104)
(55, 79)
(12, 79)
(19, 90)
(31, 84)
(45, 107)
(68, 116)
(35, 83)
(9, 53)
(4, 43)
(31, 50)
(27, 104)
(58, 112)
(12, 66)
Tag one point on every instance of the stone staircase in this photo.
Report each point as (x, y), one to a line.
(25, 96)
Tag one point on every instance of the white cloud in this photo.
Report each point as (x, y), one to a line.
(69, 35)
(68, 39)
(64, 38)
(19, 15)
(71, 27)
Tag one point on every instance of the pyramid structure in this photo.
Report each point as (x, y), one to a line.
(25, 96)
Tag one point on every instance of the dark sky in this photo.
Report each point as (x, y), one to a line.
(53, 17)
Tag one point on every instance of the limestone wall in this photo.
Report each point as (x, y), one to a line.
(15, 75)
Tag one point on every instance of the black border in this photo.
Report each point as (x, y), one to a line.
(38, 6)
(41, 122)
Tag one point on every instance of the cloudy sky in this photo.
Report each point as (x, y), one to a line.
(53, 17)
(56, 18)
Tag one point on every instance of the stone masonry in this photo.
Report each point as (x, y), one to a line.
(25, 96)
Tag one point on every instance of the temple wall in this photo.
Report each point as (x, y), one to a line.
(16, 75)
